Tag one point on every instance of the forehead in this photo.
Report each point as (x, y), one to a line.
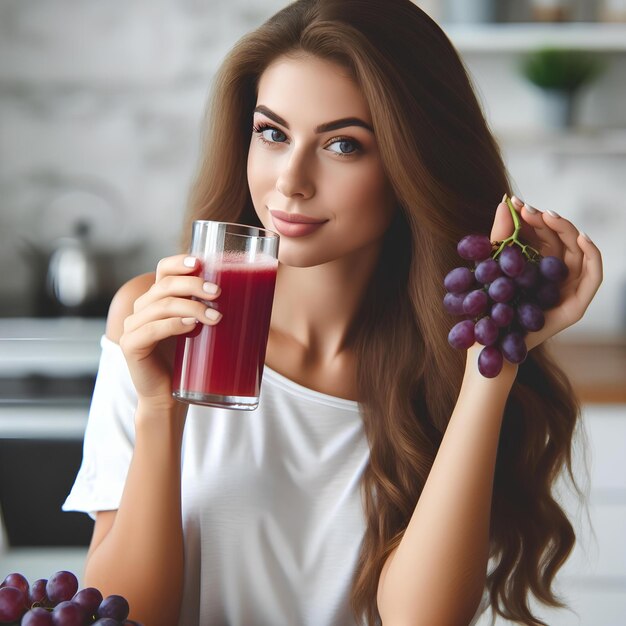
(307, 85)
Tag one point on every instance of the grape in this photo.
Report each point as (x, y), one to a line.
(505, 296)
(18, 581)
(458, 280)
(474, 247)
(89, 598)
(12, 604)
(487, 271)
(453, 303)
(37, 617)
(502, 314)
(530, 316)
(513, 347)
(490, 361)
(529, 277)
(552, 268)
(461, 336)
(547, 295)
(61, 586)
(502, 289)
(68, 613)
(37, 593)
(512, 261)
(86, 606)
(475, 302)
(486, 331)
(115, 607)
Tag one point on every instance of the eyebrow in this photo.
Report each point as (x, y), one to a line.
(322, 128)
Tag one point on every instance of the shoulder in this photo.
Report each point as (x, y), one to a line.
(123, 302)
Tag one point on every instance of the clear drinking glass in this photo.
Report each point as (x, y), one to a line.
(222, 365)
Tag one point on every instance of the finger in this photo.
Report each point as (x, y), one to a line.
(166, 308)
(502, 223)
(503, 226)
(178, 286)
(578, 300)
(592, 272)
(177, 265)
(141, 341)
(568, 234)
(548, 242)
(527, 232)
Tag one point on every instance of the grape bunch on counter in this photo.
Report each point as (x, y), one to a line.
(502, 297)
(57, 601)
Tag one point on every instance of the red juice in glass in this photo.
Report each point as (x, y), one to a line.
(222, 365)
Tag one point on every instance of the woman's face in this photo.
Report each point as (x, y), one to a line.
(314, 170)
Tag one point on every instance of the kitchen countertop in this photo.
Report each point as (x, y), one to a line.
(64, 346)
(70, 346)
(595, 367)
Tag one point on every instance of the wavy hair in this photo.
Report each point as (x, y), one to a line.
(447, 175)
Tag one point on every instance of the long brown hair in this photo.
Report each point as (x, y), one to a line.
(448, 176)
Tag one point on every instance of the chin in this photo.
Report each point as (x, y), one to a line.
(302, 258)
(293, 260)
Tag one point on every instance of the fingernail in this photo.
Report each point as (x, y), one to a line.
(188, 321)
(552, 213)
(517, 202)
(189, 261)
(530, 209)
(213, 314)
(211, 288)
(586, 236)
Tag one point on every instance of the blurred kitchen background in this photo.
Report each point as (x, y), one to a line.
(100, 117)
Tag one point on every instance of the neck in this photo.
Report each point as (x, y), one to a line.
(316, 306)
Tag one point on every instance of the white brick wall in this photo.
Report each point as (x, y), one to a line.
(111, 94)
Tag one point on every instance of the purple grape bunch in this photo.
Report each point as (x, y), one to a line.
(57, 601)
(502, 298)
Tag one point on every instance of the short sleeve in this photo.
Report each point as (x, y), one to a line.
(109, 436)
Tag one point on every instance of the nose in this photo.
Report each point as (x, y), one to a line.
(296, 177)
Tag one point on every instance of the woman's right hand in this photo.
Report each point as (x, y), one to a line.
(164, 312)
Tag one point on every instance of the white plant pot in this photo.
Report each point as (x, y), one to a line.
(470, 11)
(558, 108)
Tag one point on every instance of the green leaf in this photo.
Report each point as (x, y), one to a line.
(562, 69)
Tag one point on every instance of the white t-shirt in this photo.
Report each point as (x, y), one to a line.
(271, 500)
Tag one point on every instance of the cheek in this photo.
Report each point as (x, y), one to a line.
(256, 175)
(260, 168)
(254, 172)
(368, 195)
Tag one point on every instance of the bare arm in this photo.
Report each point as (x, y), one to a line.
(141, 554)
(437, 573)
(137, 551)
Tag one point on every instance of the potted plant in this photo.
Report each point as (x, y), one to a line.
(560, 74)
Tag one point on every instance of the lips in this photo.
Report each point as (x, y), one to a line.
(295, 224)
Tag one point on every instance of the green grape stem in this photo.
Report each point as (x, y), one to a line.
(528, 251)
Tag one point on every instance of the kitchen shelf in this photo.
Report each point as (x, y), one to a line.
(42, 562)
(595, 368)
(577, 142)
(525, 37)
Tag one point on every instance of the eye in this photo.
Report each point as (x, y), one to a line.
(344, 146)
(269, 134)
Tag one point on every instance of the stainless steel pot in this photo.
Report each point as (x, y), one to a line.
(72, 275)
(72, 278)
(78, 248)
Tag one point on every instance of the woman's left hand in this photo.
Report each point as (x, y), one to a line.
(552, 235)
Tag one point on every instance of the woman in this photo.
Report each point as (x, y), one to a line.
(380, 472)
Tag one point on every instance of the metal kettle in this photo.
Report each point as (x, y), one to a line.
(72, 273)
